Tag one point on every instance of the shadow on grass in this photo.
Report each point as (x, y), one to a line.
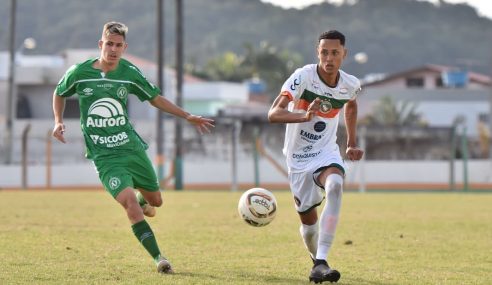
(242, 276)
(256, 278)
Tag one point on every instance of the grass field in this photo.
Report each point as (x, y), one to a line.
(77, 237)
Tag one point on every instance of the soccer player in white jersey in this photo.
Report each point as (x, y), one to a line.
(310, 102)
(102, 86)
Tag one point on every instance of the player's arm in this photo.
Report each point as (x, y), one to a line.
(353, 152)
(201, 124)
(58, 108)
(278, 112)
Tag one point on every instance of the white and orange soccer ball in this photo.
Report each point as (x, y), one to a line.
(257, 207)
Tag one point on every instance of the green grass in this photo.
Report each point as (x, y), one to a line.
(85, 238)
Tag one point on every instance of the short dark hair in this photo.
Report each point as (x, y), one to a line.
(332, 35)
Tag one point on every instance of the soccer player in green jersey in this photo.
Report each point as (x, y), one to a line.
(119, 154)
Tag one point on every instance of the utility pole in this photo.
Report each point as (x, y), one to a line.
(178, 144)
(10, 106)
(160, 158)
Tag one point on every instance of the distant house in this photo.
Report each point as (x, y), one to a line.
(441, 93)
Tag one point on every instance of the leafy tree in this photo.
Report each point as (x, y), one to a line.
(389, 113)
(266, 62)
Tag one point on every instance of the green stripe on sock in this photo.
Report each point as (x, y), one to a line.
(146, 237)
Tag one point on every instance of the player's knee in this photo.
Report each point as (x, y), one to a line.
(334, 184)
(156, 201)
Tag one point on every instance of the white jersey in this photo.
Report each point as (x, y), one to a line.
(312, 144)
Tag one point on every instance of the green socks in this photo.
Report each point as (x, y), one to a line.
(144, 234)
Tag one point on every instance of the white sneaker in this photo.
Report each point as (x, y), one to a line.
(148, 210)
(164, 267)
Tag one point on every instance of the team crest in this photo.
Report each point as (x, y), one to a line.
(114, 182)
(122, 92)
(325, 106)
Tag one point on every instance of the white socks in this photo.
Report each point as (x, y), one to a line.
(309, 235)
(329, 216)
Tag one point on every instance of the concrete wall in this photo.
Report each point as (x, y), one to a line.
(216, 174)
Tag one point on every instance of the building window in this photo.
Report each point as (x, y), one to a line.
(415, 82)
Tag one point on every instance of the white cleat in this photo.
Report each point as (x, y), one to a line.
(164, 267)
(148, 210)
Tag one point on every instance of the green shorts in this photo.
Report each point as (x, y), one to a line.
(132, 170)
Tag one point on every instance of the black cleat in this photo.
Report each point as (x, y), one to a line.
(322, 272)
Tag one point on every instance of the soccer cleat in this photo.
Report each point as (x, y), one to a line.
(164, 267)
(322, 272)
(148, 210)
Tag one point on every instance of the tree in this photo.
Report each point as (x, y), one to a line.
(389, 113)
(267, 63)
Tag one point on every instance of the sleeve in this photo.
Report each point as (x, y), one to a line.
(66, 86)
(357, 89)
(294, 85)
(142, 88)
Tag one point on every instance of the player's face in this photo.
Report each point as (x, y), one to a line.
(331, 54)
(112, 47)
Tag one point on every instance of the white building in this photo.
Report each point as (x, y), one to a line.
(438, 100)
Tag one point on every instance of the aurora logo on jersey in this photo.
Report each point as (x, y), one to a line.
(109, 113)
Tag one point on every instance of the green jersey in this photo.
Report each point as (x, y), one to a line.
(103, 106)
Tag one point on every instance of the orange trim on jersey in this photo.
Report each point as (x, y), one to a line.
(287, 93)
(304, 104)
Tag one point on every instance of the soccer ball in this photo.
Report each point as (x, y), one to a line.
(257, 207)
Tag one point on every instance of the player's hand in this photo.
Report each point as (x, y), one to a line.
(312, 109)
(201, 124)
(354, 153)
(58, 132)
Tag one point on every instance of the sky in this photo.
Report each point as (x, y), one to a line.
(484, 7)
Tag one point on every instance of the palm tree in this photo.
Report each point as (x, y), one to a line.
(389, 113)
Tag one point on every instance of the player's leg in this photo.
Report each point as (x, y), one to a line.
(332, 179)
(306, 198)
(118, 181)
(148, 201)
(145, 179)
(142, 229)
(309, 231)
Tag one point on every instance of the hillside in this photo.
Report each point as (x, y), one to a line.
(396, 34)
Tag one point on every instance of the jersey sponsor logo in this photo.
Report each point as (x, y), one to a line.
(358, 90)
(343, 90)
(106, 112)
(305, 155)
(122, 92)
(87, 91)
(307, 148)
(319, 126)
(325, 106)
(296, 83)
(106, 86)
(114, 183)
(111, 141)
(309, 137)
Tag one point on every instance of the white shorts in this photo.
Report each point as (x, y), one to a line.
(307, 193)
